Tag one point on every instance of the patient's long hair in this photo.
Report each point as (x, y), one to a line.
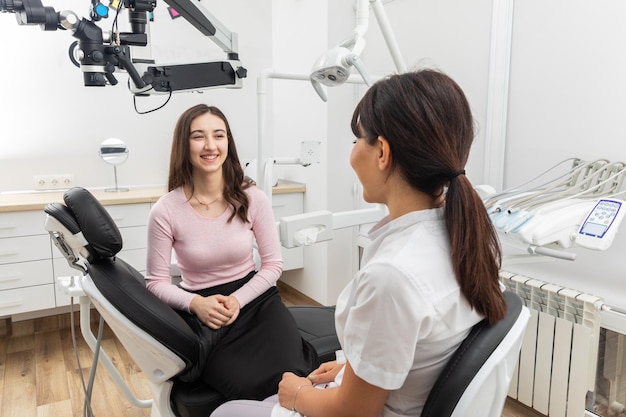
(181, 169)
(426, 119)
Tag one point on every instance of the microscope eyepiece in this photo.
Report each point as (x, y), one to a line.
(11, 6)
(138, 21)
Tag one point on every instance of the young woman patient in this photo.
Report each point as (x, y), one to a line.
(211, 219)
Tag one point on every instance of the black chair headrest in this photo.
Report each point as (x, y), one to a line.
(99, 229)
(118, 282)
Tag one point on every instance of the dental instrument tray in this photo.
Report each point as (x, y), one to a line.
(580, 207)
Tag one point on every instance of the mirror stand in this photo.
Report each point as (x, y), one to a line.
(116, 188)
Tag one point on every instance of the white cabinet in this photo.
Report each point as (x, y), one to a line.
(30, 263)
(26, 276)
(22, 223)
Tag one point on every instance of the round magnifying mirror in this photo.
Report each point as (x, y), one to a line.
(115, 152)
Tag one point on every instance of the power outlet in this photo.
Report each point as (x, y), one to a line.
(53, 182)
(310, 152)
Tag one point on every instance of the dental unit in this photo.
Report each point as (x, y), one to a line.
(582, 207)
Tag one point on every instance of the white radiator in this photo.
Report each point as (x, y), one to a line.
(557, 365)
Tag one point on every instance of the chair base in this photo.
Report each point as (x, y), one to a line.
(194, 399)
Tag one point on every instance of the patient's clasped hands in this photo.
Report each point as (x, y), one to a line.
(215, 311)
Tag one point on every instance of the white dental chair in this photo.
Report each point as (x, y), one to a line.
(156, 336)
(474, 382)
(476, 379)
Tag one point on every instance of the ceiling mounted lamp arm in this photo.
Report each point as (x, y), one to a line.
(356, 44)
(390, 39)
(355, 61)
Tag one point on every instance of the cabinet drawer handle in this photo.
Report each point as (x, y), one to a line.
(9, 304)
(8, 278)
(7, 227)
(8, 253)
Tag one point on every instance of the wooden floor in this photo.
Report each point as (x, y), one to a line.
(39, 375)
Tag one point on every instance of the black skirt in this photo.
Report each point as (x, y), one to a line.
(246, 360)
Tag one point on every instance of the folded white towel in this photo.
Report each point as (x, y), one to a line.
(280, 411)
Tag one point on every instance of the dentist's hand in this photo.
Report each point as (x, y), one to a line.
(325, 373)
(288, 388)
(215, 311)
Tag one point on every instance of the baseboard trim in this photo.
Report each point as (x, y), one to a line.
(291, 296)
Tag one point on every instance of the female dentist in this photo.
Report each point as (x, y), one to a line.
(430, 272)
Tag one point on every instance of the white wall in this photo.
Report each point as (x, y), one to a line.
(568, 99)
(568, 89)
(451, 35)
(297, 114)
(341, 183)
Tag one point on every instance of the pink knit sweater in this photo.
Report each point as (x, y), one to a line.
(210, 252)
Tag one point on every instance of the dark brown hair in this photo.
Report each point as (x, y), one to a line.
(426, 119)
(181, 170)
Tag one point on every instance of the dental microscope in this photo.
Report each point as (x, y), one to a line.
(100, 53)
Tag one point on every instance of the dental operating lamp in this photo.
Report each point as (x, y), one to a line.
(99, 53)
(335, 66)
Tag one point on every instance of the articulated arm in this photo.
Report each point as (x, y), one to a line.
(100, 53)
